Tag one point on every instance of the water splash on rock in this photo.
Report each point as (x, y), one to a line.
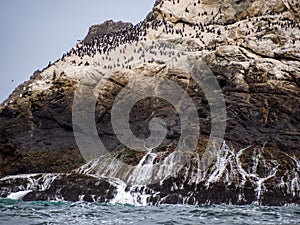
(233, 177)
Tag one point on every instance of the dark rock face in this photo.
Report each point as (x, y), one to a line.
(67, 187)
(216, 194)
(259, 113)
(36, 133)
(107, 27)
(73, 187)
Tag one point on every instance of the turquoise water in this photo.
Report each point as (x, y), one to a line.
(18, 212)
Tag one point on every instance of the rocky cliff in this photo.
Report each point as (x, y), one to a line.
(107, 27)
(62, 116)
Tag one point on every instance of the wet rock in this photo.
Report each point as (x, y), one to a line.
(75, 187)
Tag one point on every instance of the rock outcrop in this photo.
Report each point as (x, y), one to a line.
(105, 28)
(67, 187)
(251, 47)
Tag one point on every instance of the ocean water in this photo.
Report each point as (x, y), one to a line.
(18, 212)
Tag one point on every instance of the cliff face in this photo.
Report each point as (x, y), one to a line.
(252, 48)
(222, 12)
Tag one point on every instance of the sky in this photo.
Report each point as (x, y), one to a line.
(34, 32)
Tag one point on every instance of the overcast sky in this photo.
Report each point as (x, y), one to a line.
(34, 32)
